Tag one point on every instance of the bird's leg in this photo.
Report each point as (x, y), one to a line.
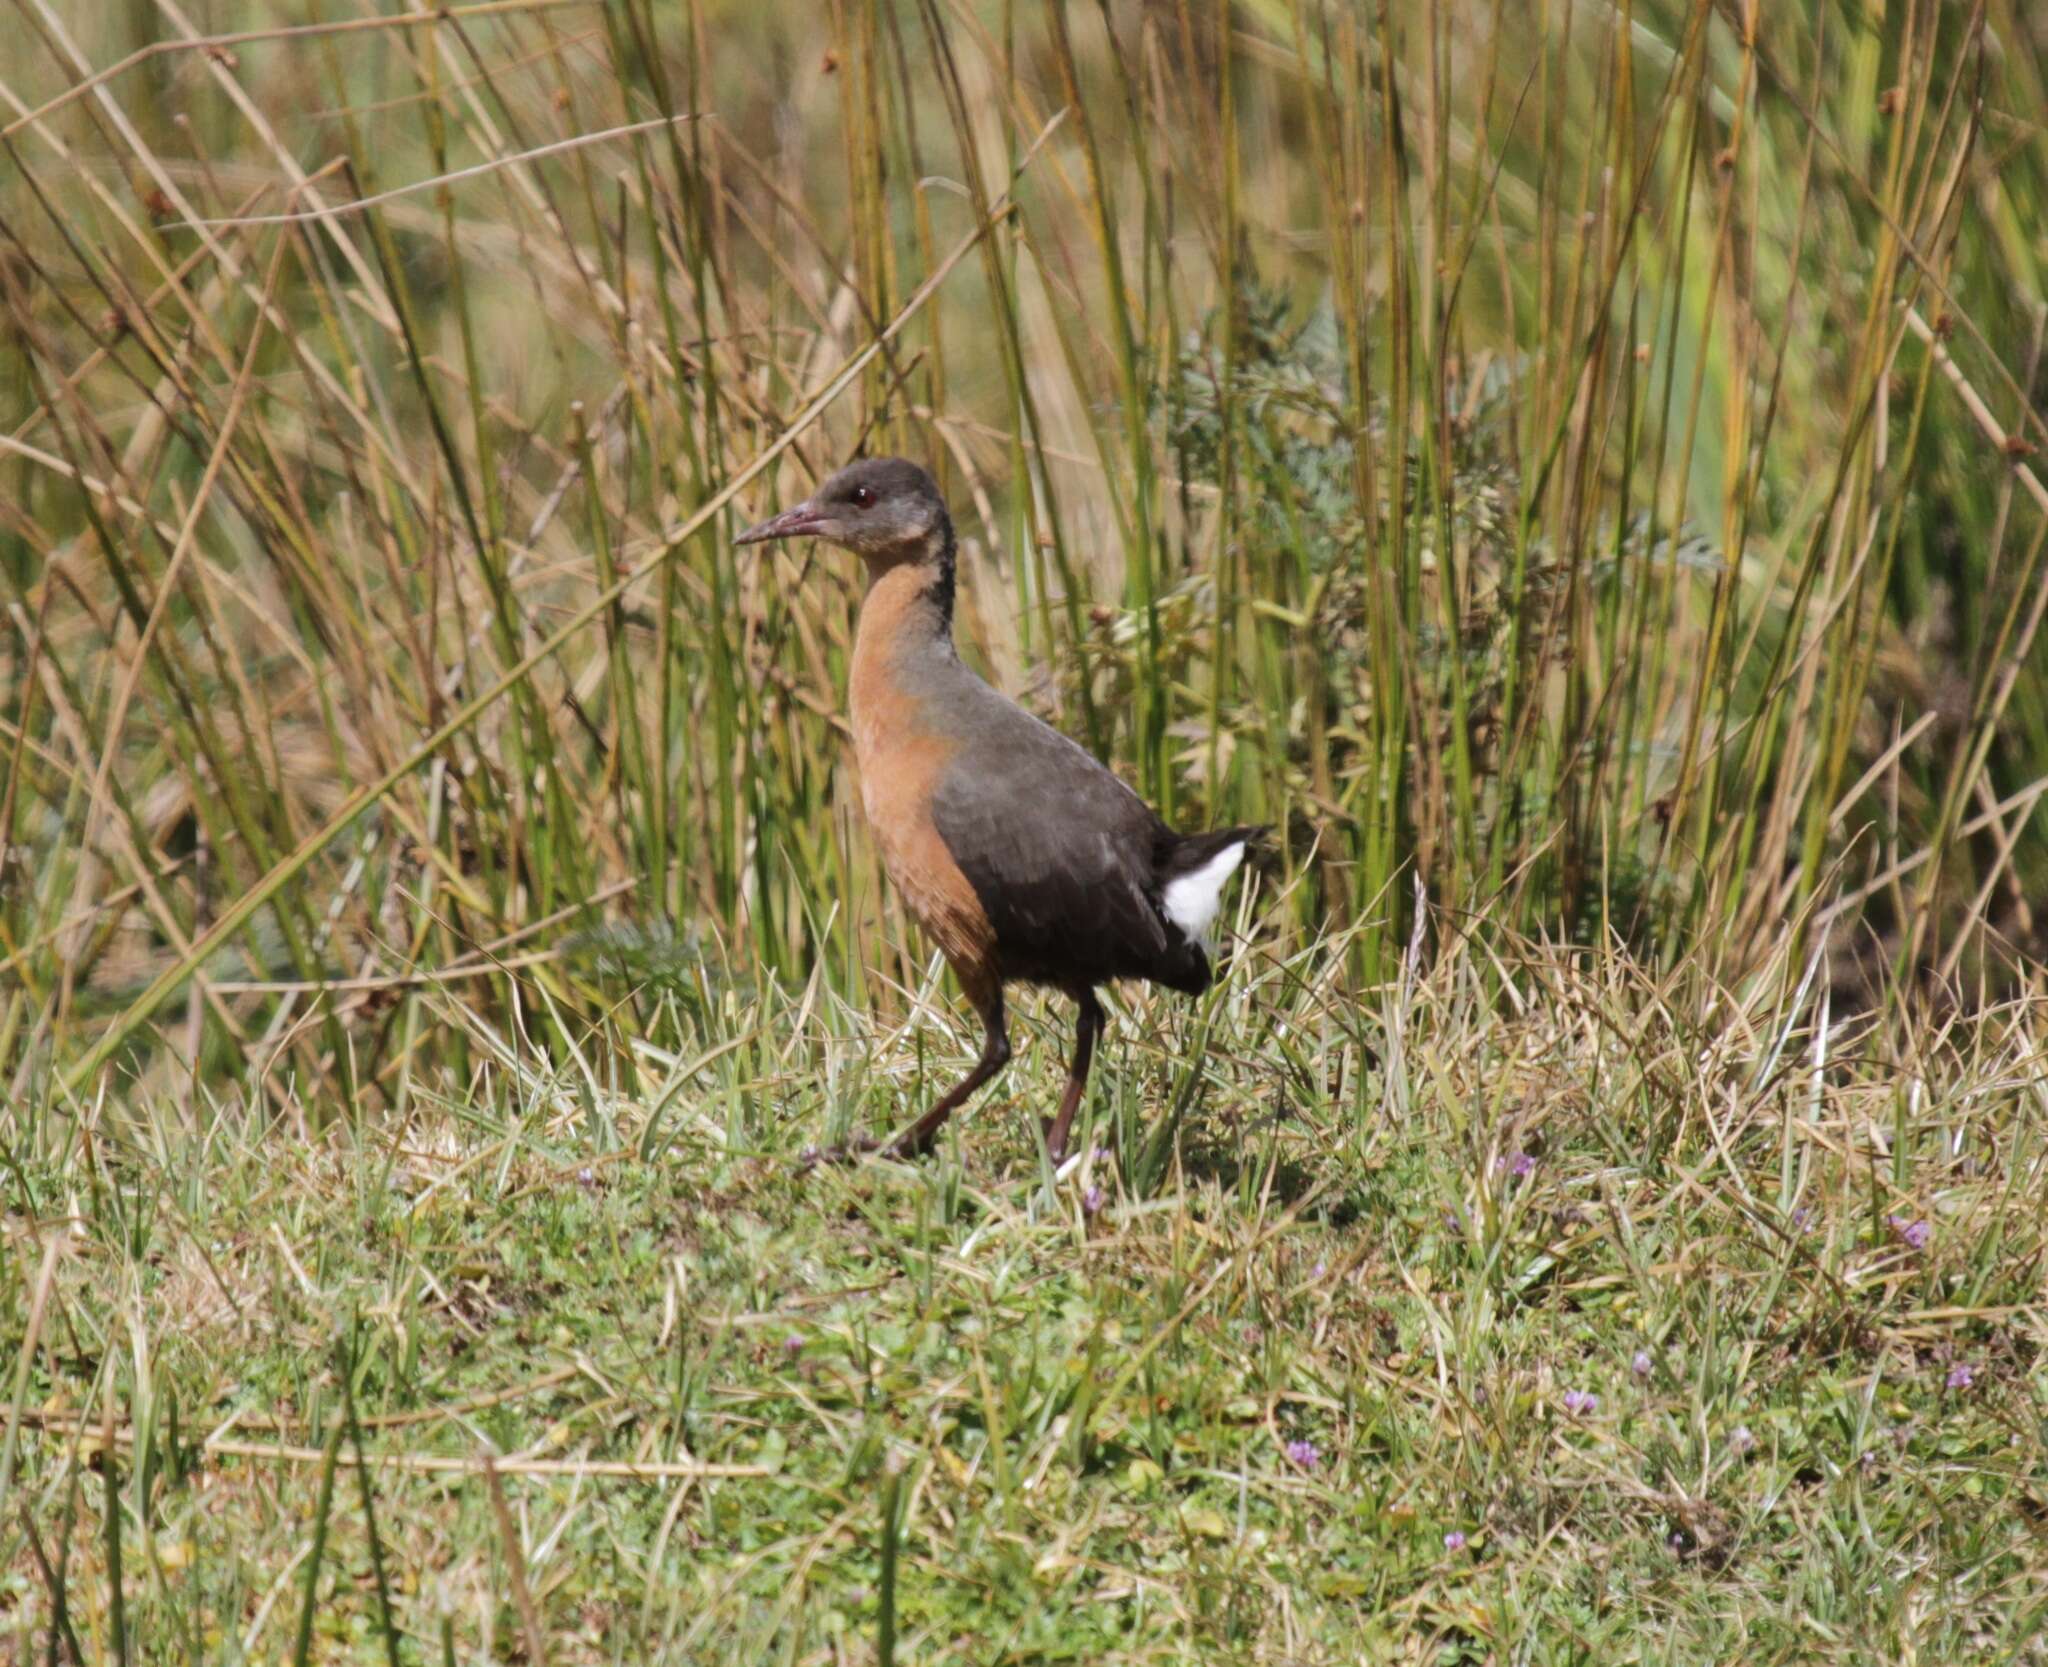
(1086, 1029)
(917, 1140)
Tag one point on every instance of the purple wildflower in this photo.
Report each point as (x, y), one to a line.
(1304, 1453)
(1915, 1233)
(1091, 1200)
(1581, 1403)
(792, 1343)
(1802, 1220)
(1320, 1270)
(1740, 1442)
(1102, 1154)
(1453, 1222)
(1642, 1364)
(1455, 1540)
(1961, 1375)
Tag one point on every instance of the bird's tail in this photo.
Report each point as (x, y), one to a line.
(1193, 872)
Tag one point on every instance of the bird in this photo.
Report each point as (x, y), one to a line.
(1023, 857)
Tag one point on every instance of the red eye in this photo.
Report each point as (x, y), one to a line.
(863, 498)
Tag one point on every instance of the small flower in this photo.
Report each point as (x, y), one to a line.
(1581, 1403)
(1915, 1233)
(1091, 1200)
(1455, 1540)
(792, 1343)
(1319, 1271)
(1304, 1453)
(1802, 1220)
(1961, 1375)
(1453, 1222)
(1740, 1442)
(1102, 1154)
(1642, 1364)
(586, 1176)
(1518, 1164)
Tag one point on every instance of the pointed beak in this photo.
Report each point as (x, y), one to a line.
(802, 520)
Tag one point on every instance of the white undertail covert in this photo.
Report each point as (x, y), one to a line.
(1192, 900)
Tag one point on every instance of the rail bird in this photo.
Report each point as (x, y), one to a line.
(1023, 858)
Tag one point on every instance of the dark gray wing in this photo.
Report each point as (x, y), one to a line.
(1061, 853)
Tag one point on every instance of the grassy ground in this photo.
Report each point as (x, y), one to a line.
(1574, 1317)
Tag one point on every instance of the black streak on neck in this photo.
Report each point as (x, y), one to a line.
(940, 591)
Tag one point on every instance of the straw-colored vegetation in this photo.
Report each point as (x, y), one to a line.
(1570, 468)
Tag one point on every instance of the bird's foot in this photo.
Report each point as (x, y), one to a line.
(909, 1144)
(846, 1151)
(912, 1143)
(1055, 1141)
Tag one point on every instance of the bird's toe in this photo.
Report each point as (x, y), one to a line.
(845, 1151)
(913, 1143)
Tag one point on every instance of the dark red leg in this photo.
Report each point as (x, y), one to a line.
(1086, 1029)
(917, 1140)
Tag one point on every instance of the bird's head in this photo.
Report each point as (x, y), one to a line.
(884, 509)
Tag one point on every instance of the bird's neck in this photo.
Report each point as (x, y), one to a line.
(903, 655)
(909, 603)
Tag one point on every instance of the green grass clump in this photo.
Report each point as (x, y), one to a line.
(1695, 1328)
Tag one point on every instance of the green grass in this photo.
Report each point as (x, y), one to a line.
(1572, 470)
(1403, 1232)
